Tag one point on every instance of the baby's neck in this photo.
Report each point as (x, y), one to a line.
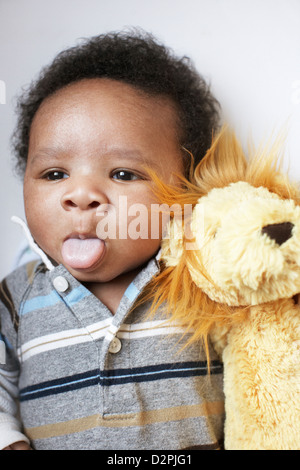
(110, 293)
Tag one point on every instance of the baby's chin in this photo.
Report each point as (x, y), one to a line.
(87, 275)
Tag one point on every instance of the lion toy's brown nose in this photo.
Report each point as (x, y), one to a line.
(279, 232)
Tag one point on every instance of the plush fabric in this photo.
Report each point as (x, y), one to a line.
(230, 272)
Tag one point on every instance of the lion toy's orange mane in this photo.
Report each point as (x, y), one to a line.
(224, 163)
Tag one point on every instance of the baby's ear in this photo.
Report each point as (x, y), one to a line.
(172, 244)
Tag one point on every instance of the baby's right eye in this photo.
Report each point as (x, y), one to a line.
(55, 175)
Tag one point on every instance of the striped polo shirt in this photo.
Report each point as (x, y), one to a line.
(87, 379)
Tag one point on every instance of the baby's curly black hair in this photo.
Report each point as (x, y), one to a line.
(135, 58)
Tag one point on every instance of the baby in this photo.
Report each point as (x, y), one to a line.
(85, 367)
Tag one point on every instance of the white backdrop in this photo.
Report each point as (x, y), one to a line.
(249, 50)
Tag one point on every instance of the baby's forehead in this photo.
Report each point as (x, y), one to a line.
(102, 101)
(102, 90)
(97, 115)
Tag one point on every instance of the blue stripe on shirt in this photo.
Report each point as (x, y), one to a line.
(76, 295)
(41, 301)
(118, 377)
(131, 292)
(53, 298)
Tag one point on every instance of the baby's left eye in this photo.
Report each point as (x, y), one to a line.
(55, 175)
(125, 175)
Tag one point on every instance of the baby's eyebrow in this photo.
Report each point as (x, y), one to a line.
(46, 152)
(128, 154)
(132, 155)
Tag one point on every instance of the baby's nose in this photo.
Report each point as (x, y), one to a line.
(279, 232)
(83, 197)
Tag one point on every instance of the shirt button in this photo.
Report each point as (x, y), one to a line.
(115, 346)
(60, 283)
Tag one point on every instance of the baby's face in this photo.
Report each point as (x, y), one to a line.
(89, 145)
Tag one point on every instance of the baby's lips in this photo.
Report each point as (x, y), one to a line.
(82, 253)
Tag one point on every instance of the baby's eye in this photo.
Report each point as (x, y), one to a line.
(56, 175)
(125, 175)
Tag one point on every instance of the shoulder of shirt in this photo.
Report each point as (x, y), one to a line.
(16, 283)
(13, 288)
(26, 272)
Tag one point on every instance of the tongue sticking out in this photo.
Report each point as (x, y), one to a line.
(82, 254)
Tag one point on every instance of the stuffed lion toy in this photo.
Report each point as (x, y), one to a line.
(230, 275)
